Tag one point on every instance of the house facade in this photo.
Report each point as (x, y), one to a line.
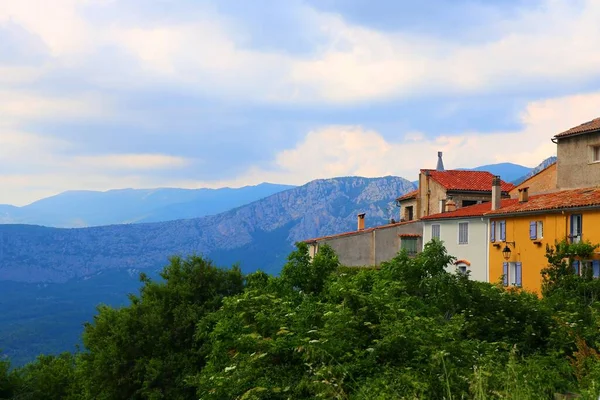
(438, 187)
(527, 225)
(372, 246)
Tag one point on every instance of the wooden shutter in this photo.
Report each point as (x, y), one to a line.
(576, 267)
(503, 231)
(532, 230)
(505, 271)
(518, 277)
(493, 231)
(596, 268)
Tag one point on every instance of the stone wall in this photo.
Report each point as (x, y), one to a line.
(575, 168)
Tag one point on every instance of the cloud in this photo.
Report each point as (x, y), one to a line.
(355, 150)
(349, 62)
(129, 161)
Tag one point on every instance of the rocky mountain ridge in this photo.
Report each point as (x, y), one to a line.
(41, 254)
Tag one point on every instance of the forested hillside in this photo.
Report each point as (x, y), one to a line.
(409, 330)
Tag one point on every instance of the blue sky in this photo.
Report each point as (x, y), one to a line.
(101, 94)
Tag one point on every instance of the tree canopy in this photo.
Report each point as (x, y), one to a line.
(406, 330)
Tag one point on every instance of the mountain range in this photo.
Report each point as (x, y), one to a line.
(122, 206)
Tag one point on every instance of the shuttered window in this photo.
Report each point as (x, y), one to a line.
(435, 232)
(513, 274)
(576, 230)
(596, 268)
(493, 231)
(536, 230)
(463, 233)
(502, 231)
(505, 274)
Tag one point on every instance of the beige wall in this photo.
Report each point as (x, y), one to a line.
(575, 168)
(543, 182)
(430, 204)
(371, 247)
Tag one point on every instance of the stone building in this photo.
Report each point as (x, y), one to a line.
(446, 190)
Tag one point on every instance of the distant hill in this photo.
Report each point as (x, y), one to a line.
(508, 171)
(91, 208)
(543, 165)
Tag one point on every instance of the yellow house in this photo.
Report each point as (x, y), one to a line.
(527, 224)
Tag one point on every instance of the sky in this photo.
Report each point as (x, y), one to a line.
(104, 94)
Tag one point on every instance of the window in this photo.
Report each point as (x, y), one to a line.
(575, 235)
(409, 244)
(513, 274)
(409, 213)
(536, 230)
(587, 267)
(463, 233)
(466, 203)
(493, 231)
(435, 232)
(502, 228)
(462, 269)
(595, 153)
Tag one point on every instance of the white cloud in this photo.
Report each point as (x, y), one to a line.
(555, 41)
(109, 162)
(354, 150)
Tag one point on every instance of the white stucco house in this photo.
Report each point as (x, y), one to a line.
(465, 233)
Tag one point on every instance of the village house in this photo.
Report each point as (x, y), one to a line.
(465, 232)
(460, 188)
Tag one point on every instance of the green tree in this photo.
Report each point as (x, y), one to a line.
(147, 350)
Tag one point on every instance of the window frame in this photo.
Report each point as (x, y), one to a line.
(439, 231)
(572, 237)
(409, 239)
(595, 153)
(467, 232)
(512, 273)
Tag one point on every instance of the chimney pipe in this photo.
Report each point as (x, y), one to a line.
(450, 205)
(496, 192)
(440, 162)
(361, 221)
(523, 195)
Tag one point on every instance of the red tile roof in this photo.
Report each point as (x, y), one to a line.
(472, 181)
(590, 126)
(409, 235)
(409, 195)
(586, 197)
(338, 235)
(476, 210)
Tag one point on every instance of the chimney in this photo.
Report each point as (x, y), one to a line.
(523, 194)
(361, 221)
(440, 163)
(496, 192)
(450, 205)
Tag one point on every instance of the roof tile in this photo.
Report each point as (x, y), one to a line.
(585, 197)
(476, 181)
(409, 195)
(590, 126)
(476, 210)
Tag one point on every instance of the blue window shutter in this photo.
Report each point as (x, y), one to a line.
(503, 231)
(505, 271)
(596, 268)
(576, 267)
(519, 271)
(571, 225)
(493, 231)
(532, 230)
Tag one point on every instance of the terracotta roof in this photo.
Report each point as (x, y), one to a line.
(462, 262)
(338, 235)
(473, 181)
(586, 197)
(590, 126)
(409, 195)
(476, 210)
(409, 235)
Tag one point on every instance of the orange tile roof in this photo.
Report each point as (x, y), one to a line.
(590, 126)
(409, 195)
(573, 198)
(338, 235)
(472, 181)
(409, 235)
(476, 210)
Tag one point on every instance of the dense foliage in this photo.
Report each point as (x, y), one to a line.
(408, 330)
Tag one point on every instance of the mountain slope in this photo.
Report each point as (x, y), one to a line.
(543, 165)
(91, 208)
(40, 254)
